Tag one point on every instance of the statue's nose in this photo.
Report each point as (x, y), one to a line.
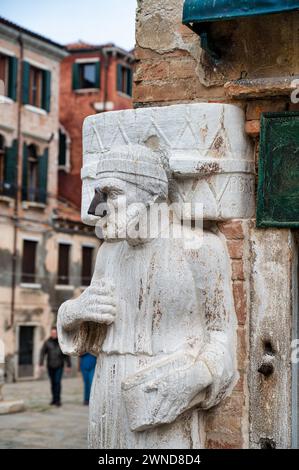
(98, 205)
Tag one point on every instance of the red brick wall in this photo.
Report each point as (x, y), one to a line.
(74, 108)
(226, 425)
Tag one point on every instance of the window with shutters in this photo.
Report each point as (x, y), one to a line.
(36, 87)
(64, 148)
(87, 262)
(86, 75)
(4, 73)
(8, 163)
(35, 175)
(64, 250)
(32, 174)
(29, 262)
(8, 76)
(124, 79)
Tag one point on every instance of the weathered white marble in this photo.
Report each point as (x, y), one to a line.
(159, 312)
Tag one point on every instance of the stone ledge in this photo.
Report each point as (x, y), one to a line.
(9, 407)
(260, 87)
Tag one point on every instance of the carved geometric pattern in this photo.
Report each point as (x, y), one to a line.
(207, 132)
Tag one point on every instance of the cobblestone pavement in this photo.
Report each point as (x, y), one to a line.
(42, 426)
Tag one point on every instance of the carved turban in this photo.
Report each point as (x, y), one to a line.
(135, 164)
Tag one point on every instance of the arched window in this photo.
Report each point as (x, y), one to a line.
(32, 175)
(2, 163)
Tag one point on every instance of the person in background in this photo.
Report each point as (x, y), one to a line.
(87, 366)
(55, 363)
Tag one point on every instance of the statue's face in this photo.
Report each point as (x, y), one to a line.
(120, 206)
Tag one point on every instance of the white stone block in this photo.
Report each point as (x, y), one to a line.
(209, 153)
(9, 407)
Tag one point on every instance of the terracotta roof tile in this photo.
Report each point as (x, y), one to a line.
(81, 45)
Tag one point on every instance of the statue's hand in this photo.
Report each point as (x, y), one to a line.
(152, 401)
(96, 304)
(179, 391)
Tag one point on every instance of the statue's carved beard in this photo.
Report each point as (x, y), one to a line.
(129, 224)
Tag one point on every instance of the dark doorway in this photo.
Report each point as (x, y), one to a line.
(26, 337)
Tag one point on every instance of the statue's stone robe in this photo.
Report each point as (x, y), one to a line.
(169, 300)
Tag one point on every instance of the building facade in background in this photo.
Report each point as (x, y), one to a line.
(250, 62)
(94, 79)
(46, 253)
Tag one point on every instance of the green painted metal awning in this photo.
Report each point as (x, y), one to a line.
(200, 14)
(202, 11)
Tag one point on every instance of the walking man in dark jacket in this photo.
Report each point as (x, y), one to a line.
(55, 364)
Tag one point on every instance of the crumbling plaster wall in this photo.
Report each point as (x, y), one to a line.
(171, 67)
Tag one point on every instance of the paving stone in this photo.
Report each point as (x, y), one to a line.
(42, 426)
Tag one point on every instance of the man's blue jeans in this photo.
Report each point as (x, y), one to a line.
(55, 375)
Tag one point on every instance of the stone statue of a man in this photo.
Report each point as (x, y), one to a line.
(158, 315)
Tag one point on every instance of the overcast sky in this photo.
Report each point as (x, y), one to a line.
(65, 21)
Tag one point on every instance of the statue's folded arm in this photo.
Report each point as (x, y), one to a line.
(82, 322)
(85, 336)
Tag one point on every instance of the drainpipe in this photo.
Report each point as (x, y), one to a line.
(106, 61)
(17, 187)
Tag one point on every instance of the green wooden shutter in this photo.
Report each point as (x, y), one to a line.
(129, 81)
(13, 78)
(46, 99)
(76, 77)
(25, 173)
(43, 177)
(10, 169)
(119, 78)
(98, 74)
(25, 82)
